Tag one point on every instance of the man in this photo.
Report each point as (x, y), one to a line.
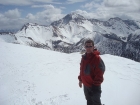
(91, 74)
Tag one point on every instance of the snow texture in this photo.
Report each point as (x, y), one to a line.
(33, 76)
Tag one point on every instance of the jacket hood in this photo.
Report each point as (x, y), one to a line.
(96, 52)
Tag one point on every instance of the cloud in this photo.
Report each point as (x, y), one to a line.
(46, 1)
(84, 13)
(125, 9)
(50, 13)
(121, 3)
(26, 2)
(10, 23)
(12, 18)
(30, 16)
(90, 5)
(12, 13)
(74, 1)
(42, 6)
(39, 6)
(15, 2)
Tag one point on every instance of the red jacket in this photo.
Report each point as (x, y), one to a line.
(91, 69)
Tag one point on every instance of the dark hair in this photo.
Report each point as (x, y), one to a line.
(89, 41)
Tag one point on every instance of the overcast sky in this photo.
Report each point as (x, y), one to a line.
(15, 13)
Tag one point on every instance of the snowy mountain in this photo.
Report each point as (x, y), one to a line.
(33, 76)
(7, 37)
(114, 36)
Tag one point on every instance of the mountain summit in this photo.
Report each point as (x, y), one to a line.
(66, 20)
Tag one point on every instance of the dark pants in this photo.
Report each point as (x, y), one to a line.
(93, 95)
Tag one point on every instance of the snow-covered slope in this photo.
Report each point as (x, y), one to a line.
(33, 76)
(7, 38)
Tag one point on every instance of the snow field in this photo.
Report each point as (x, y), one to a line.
(33, 76)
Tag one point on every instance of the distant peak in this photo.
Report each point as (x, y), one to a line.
(115, 18)
(76, 15)
(31, 24)
(69, 17)
(28, 25)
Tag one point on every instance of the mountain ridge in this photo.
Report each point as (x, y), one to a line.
(69, 33)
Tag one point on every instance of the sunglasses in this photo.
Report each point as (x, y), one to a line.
(88, 46)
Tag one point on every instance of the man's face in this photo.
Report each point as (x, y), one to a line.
(89, 47)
